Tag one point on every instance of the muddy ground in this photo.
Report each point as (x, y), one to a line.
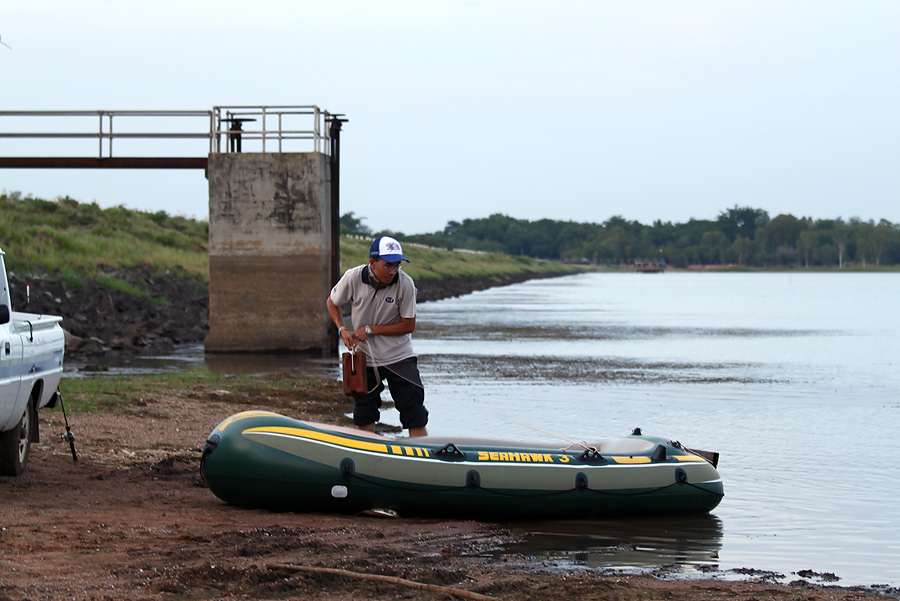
(132, 520)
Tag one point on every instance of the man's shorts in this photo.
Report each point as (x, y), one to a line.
(406, 389)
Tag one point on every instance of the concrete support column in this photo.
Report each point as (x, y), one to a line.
(269, 251)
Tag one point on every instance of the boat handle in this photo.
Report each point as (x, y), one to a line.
(450, 452)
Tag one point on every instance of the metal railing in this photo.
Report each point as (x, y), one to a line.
(274, 128)
(101, 125)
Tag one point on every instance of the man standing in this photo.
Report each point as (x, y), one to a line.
(383, 313)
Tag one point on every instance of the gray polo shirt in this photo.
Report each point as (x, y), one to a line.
(380, 307)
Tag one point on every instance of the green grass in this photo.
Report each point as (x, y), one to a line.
(120, 394)
(79, 240)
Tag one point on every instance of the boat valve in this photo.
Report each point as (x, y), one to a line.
(211, 443)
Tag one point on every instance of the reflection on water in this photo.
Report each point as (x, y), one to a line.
(316, 364)
(594, 332)
(690, 542)
(193, 356)
(586, 369)
(180, 358)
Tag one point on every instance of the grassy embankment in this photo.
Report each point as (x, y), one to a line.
(83, 244)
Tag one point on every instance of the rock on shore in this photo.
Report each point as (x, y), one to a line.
(99, 318)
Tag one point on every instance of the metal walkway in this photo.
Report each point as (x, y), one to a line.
(146, 139)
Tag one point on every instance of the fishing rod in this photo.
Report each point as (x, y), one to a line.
(67, 436)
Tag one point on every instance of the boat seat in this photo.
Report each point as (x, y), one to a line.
(624, 446)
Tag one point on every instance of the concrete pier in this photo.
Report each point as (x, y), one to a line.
(274, 206)
(270, 249)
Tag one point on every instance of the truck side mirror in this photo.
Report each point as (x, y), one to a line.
(4, 314)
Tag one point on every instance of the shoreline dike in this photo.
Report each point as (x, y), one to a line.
(175, 309)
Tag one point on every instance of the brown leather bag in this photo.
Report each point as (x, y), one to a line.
(354, 373)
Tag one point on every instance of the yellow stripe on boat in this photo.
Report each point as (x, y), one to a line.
(244, 415)
(688, 458)
(349, 443)
(631, 459)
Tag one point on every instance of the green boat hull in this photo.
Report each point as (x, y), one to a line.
(264, 460)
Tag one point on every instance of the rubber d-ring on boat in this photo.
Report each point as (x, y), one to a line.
(581, 481)
(473, 479)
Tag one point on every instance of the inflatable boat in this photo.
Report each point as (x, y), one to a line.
(259, 459)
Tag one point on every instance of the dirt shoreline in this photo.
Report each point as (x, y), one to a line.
(132, 520)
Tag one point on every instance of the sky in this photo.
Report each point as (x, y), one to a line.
(573, 110)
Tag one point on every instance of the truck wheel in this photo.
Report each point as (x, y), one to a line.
(15, 444)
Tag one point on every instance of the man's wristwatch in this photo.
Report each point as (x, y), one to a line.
(368, 330)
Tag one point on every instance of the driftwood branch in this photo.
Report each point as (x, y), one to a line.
(381, 578)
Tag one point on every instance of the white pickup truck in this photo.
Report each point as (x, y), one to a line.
(31, 365)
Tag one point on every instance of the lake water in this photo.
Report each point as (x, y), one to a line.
(793, 378)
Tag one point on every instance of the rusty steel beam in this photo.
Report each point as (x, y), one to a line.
(104, 163)
(335, 268)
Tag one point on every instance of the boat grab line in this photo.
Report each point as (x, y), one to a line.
(353, 474)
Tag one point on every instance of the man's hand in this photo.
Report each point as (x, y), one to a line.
(359, 335)
(349, 339)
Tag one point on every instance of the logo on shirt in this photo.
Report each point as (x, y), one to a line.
(389, 299)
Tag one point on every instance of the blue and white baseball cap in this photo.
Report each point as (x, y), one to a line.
(388, 249)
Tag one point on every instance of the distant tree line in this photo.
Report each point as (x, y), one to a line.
(741, 236)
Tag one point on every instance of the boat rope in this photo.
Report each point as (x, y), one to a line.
(404, 488)
(716, 494)
(582, 445)
(652, 491)
(463, 487)
(521, 495)
(368, 352)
